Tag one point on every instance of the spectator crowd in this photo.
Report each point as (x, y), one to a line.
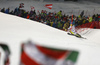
(56, 20)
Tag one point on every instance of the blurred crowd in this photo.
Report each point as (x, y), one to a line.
(57, 20)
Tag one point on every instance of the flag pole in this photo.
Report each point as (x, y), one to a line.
(86, 12)
(93, 11)
(72, 12)
(78, 12)
(71, 21)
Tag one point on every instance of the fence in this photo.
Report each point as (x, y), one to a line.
(94, 24)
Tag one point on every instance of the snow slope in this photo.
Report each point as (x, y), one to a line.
(91, 34)
(15, 30)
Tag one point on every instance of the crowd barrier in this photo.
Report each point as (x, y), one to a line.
(94, 24)
(86, 26)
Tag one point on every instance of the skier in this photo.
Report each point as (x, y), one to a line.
(71, 29)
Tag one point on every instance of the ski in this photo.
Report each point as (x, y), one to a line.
(78, 35)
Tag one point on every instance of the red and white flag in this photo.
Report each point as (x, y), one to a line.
(32, 8)
(33, 54)
(48, 6)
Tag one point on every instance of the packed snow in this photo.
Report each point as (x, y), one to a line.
(15, 30)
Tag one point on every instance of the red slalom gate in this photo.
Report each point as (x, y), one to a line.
(94, 24)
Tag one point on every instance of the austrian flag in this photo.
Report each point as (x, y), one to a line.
(48, 6)
(33, 54)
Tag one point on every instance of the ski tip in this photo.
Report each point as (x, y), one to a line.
(82, 37)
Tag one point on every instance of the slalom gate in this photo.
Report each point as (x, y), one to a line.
(86, 26)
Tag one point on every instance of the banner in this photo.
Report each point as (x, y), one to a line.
(6, 50)
(21, 5)
(33, 54)
(32, 8)
(49, 6)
